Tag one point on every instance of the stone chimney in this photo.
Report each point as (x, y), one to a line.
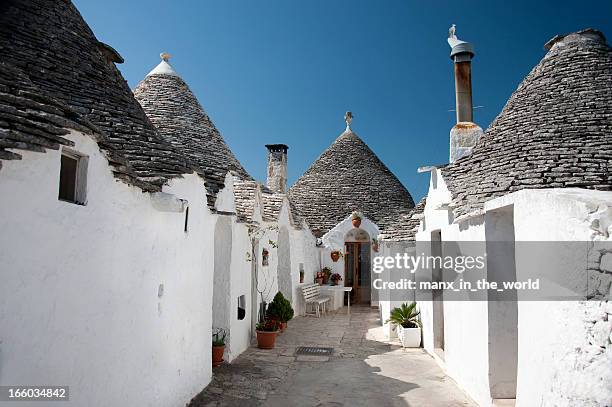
(465, 134)
(277, 167)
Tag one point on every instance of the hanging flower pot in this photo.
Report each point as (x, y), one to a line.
(375, 245)
(356, 219)
(335, 255)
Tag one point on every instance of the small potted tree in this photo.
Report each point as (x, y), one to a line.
(356, 218)
(266, 334)
(218, 346)
(280, 310)
(406, 319)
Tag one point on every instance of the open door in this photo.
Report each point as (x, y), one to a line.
(357, 271)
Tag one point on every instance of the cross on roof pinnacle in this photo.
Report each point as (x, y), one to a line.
(165, 56)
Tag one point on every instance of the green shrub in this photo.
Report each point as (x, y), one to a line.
(218, 338)
(406, 315)
(280, 308)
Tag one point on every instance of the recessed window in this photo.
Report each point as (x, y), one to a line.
(241, 307)
(73, 177)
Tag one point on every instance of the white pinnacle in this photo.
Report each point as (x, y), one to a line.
(164, 68)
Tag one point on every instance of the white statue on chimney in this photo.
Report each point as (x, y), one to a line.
(451, 32)
(453, 41)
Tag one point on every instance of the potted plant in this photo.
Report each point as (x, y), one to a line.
(301, 276)
(406, 319)
(319, 278)
(375, 244)
(356, 218)
(327, 272)
(218, 346)
(266, 334)
(335, 278)
(335, 255)
(280, 310)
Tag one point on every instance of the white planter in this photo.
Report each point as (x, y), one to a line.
(409, 337)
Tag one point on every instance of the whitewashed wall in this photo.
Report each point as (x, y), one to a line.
(241, 280)
(91, 292)
(388, 299)
(565, 354)
(465, 323)
(564, 358)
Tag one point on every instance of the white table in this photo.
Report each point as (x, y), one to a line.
(336, 295)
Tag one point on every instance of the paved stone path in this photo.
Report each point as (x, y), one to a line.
(364, 370)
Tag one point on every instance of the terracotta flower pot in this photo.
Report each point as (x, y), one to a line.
(265, 339)
(325, 280)
(335, 282)
(217, 355)
(335, 255)
(356, 222)
(319, 281)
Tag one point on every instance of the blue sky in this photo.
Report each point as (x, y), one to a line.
(280, 71)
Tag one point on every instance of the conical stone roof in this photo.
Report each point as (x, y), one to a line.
(405, 228)
(554, 132)
(181, 120)
(348, 176)
(50, 43)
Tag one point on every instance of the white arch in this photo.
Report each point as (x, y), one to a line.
(335, 238)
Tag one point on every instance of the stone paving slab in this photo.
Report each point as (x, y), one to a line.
(364, 370)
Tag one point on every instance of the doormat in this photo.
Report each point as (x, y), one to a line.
(314, 350)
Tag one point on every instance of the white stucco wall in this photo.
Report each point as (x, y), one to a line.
(91, 292)
(465, 323)
(240, 330)
(564, 358)
(565, 354)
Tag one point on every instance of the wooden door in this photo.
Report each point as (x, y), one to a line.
(357, 271)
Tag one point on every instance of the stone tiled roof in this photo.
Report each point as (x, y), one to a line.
(245, 194)
(405, 228)
(555, 130)
(180, 119)
(348, 176)
(273, 204)
(30, 120)
(51, 44)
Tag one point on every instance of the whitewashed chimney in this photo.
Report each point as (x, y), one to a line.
(465, 134)
(277, 167)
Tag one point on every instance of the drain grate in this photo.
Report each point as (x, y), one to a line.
(314, 350)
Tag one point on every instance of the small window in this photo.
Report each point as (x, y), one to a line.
(73, 178)
(241, 307)
(186, 228)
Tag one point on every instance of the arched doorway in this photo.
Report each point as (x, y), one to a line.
(357, 267)
(284, 264)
